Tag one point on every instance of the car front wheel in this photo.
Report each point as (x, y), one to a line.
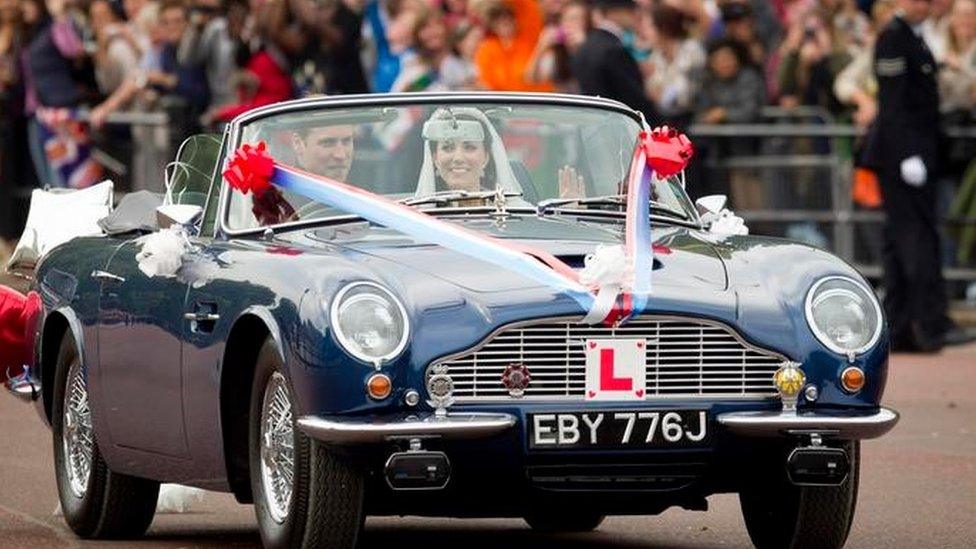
(304, 494)
(779, 514)
(96, 502)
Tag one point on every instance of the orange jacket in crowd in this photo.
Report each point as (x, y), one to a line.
(502, 67)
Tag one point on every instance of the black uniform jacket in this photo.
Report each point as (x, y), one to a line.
(603, 67)
(908, 100)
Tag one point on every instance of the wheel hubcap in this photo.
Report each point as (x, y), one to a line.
(277, 447)
(77, 437)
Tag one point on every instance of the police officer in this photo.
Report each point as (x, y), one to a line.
(903, 147)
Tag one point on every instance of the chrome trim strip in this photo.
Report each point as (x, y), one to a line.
(393, 99)
(106, 276)
(648, 317)
(779, 423)
(353, 430)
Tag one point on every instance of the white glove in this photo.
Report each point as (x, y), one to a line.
(913, 171)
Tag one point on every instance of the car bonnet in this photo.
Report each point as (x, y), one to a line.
(682, 258)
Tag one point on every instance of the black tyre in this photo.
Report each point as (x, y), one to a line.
(304, 495)
(780, 515)
(564, 521)
(96, 502)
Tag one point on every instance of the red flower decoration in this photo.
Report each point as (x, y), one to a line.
(250, 169)
(668, 150)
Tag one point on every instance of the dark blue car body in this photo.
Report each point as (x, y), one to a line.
(166, 390)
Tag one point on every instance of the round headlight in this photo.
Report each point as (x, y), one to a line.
(369, 322)
(844, 315)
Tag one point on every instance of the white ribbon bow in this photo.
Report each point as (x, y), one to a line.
(608, 270)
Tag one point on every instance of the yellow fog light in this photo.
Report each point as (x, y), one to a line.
(789, 380)
(379, 386)
(852, 379)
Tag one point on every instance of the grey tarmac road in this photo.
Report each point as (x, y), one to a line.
(918, 488)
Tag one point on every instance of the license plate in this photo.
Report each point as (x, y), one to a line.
(618, 428)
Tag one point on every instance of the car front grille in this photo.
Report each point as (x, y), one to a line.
(685, 357)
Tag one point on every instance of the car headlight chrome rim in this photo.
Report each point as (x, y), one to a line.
(844, 315)
(370, 323)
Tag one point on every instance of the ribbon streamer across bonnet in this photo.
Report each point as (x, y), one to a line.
(614, 285)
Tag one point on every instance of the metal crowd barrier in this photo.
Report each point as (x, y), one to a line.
(138, 159)
(153, 149)
(842, 217)
(150, 144)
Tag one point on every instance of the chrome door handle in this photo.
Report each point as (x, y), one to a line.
(107, 276)
(202, 317)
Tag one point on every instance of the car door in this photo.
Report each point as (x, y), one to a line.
(140, 327)
(143, 321)
(205, 310)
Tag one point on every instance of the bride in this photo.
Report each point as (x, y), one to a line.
(463, 152)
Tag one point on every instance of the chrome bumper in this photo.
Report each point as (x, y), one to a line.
(778, 423)
(352, 430)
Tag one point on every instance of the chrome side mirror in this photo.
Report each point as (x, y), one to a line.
(185, 215)
(711, 204)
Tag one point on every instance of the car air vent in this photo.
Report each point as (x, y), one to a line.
(685, 357)
(574, 261)
(614, 477)
(578, 261)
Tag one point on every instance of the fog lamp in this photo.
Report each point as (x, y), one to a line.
(379, 386)
(789, 380)
(852, 379)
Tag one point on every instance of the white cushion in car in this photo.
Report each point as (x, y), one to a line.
(56, 217)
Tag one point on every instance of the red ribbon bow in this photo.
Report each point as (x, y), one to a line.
(250, 169)
(668, 150)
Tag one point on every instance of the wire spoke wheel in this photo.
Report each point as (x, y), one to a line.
(277, 447)
(77, 437)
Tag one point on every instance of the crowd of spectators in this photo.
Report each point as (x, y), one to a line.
(711, 61)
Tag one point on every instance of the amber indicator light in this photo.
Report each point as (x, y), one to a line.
(379, 386)
(852, 379)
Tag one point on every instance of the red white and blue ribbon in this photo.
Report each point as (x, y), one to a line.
(661, 153)
(251, 169)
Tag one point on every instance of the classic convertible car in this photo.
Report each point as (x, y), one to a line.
(453, 305)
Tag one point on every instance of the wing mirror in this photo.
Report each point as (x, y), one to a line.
(185, 215)
(711, 204)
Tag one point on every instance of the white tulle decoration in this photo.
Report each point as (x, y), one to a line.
(608, 270)
(175, 498)
(162, 252)
(725, 223)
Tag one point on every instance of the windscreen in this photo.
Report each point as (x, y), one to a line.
(462, 152)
